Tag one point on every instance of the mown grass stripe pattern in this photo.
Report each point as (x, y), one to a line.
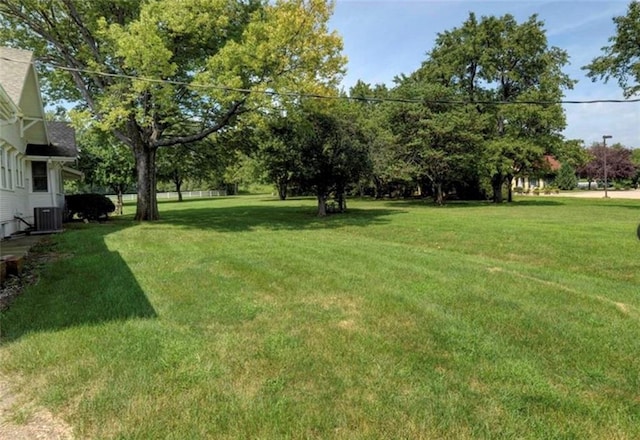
(251, 318)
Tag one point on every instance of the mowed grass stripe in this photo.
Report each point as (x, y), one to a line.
(393, 321)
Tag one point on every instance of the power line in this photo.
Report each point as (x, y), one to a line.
(319, 96)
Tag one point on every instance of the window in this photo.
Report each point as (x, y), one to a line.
(20, 171)
(39, 175)
(11, 164)
(3, 169)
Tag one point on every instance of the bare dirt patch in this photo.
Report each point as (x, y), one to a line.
(23, 421)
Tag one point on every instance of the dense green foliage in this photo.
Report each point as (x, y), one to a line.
(146, 70)
(318, 148)
(219, 92)
(88, 206)
(635, 158)
(252, 318)
(106, 163)
(496, 59)
(566, 178)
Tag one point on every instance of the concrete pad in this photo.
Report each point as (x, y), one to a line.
(18, 246)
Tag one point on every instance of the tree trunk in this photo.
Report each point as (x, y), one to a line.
(178, 183)
(342, 201)
(438, 196)
(147, 205)
(282, 189)
(119, 207)
(377, 184)
(509, 189)
(496, 184)
(322, 205)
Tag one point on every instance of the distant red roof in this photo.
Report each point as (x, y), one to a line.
(552, 162)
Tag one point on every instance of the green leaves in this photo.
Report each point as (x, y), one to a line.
(491, 59)
(621, 60)
(160, 73)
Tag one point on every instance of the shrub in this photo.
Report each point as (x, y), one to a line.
(567, 179)
(88, 206)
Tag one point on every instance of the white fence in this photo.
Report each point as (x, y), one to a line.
(173, 195)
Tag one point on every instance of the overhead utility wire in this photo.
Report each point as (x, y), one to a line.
(318, 96)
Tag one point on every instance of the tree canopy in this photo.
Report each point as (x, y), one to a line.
(621, 59)
(500, 68)
(160, 73)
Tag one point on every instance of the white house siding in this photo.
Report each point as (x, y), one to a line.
(13, 193)
(13, 190)
(22, 131)
(54, 196)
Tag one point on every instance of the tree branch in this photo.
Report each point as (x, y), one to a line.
(234, 110)
(86, 36)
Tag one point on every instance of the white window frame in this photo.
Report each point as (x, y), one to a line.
(3, 168)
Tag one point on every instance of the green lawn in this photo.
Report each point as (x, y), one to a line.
(251, 318)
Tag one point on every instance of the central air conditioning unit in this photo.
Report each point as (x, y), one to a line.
(47, 220)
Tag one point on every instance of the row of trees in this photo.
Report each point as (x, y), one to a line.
(622, 164)
(190, 87)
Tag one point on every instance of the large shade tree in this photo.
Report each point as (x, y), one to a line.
(279, 152)
(497, 59)
(161, 73)
(372, 113)
(438, 141)
(331, 152)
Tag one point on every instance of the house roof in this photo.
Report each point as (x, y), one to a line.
(62, 142)
(14, 68)
(552, 162)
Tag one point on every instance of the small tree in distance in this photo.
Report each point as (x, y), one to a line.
(567, 179)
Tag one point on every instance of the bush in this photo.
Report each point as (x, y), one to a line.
(88, 206)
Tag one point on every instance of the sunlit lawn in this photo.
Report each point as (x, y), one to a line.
(249, 317)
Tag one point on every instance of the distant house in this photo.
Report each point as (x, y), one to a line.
(34, 154)
(540, 178)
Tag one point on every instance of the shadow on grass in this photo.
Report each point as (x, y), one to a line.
(90, 286)
(633, 206)
(272, 217)
(469, 203)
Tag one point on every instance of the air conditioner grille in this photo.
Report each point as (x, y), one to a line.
(48, 219)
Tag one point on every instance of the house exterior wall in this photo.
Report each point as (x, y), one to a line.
(14, 182)
(54, 196)
(17, 198)
(13, 190)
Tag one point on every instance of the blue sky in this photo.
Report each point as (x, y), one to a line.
(384, 38)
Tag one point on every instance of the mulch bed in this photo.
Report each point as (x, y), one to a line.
(39, 255)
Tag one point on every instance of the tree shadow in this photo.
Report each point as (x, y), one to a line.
(633, 206)
(428, 203)
(538, 202)
(272, 217)
(92, 286)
